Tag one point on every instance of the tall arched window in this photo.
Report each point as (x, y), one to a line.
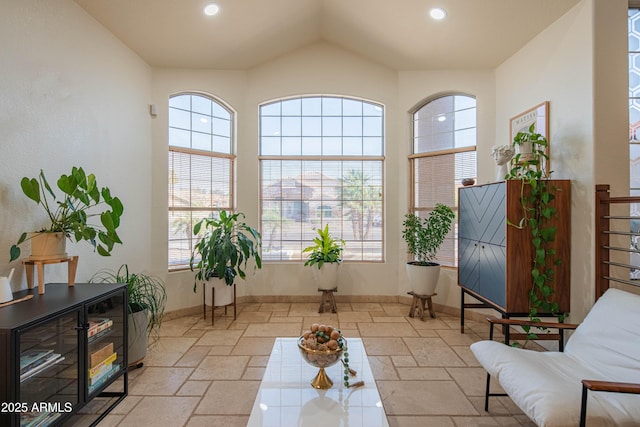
(200, 168)
(321, 162)
(444, 153)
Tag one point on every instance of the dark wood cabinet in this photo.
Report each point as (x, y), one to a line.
(495, 259)
(60, 351)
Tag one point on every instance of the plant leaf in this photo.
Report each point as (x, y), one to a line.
(31, 188)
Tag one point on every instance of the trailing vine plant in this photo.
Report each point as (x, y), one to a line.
(536, 197)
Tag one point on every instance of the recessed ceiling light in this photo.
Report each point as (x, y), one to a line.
(442, 118)
(438, 13)
(211, 9)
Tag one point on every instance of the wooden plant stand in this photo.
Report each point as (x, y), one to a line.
(418, 305)
(30, 263)
(327, 298)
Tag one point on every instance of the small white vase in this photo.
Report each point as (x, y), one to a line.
(423, 279)
(48, 246)
(326, 277)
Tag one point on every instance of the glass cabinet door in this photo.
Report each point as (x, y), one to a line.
(105, 343)
(49, 368)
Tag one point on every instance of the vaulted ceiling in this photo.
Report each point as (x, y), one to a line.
(399, 33)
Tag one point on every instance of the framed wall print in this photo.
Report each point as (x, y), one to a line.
(538, 115)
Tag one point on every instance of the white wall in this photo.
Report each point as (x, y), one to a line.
(72, 95)
(228, 86)
(316, 69)
(414, 88)
(323, 69)
(587, 138)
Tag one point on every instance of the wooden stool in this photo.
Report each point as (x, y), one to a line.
(418, 305)
(327, 298)
(213, 301)
(29, 263)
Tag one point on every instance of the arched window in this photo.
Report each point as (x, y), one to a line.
(200, 168)
(321, 162)
(443, 154)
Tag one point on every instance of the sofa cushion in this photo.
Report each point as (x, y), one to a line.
(547, 385)
(610, 336)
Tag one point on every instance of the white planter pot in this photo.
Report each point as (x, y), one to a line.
(137, 339)
(48, 246)
(326, 277)
(6, 292)
(525, 150)
(423, 279)
(223, 292)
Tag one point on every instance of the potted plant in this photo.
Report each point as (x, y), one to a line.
(71, 216)
(530, 154)
(147, 298)
(223, 252)
(325, 254)
(424, 238)
(537, 199)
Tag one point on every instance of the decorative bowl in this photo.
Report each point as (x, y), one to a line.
(322, 359)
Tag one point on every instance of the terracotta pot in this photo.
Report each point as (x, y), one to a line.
(46, 245)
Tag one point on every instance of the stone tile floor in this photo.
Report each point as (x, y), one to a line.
(203, 375)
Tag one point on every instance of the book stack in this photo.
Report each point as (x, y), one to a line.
(101, 366)
(35, 361)
(98, 327)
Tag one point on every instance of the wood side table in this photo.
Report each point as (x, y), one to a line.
(40, 263)
(418, 305)
(328, 299)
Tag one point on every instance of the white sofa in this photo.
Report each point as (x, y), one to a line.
(548, 386)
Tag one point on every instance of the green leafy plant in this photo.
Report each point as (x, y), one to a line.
(424, 237)
(145, 293)
(225, 248)
(72, 214)
(325, 249)
(536, 196)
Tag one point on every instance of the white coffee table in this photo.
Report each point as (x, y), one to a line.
(286, 398)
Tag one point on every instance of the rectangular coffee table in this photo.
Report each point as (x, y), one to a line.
(286, 398)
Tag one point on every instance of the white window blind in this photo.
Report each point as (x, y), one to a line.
(444, 153)
(200, 169)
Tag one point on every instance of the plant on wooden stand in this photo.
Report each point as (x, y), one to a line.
(536, 197)
(71, 215)
(326, 255)
(424, 237)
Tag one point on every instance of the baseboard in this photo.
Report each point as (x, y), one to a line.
(477, 316)
(453, 311)
(182, 312)
(316, 298)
